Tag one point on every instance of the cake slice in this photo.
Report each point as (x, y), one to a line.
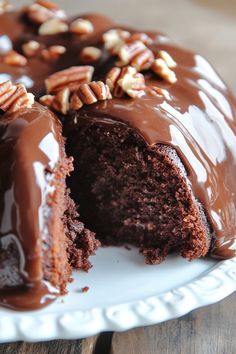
(41, 238)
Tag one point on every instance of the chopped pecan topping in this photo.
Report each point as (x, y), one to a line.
(158, 91)
(125, 80)
(75, 102)
(31, 48)
(167, 58)
(61, 101)
(143, 60)
(112, 81)
(58, 102)
(15, 59)
(14, 97)
(53, 26)
(53, 53)
(42, 11)
(71, 78)
(81, 26)
(143, 37)
(90, 93)
(114, 39)
(90, 54)
(136, 54)
(87, 93)
(160, 68)
(47, 100)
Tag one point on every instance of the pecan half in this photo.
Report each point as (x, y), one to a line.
(47, 100)
(42, 11)
(53, 26)
(15, 59)
(114, 39)
(58, 102)
(75, 102)
(14, 97)
(71, 78)
(135, 54)
(158, 91)
(5, 6)
(90, 54)
(81, 26)
(53, 53)
(167, 58)
(90, 93)
(125, 80)
(31, 48)
(61, 101)
(160, 68)
(140, 36)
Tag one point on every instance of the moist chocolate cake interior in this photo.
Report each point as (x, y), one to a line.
(113, 182)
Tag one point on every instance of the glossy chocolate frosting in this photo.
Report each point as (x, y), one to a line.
(30, 145)
(197, 118)
(15, 31)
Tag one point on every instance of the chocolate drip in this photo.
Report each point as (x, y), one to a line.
(30, 140)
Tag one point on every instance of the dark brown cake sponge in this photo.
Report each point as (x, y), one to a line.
(133, 193)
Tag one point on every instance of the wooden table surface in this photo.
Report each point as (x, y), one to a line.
(207, 26)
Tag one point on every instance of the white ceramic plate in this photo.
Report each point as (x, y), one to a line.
(123, 293)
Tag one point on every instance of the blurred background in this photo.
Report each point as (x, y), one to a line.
(206, 26)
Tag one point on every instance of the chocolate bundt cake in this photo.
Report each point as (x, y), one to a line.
(151, 131)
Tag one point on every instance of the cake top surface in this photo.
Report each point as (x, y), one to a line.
(168, 94)
(196, 116)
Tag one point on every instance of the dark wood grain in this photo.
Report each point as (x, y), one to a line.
(53, 347)
(209, 330)
(85, 346)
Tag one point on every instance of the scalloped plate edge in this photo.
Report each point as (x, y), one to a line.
(212, 287)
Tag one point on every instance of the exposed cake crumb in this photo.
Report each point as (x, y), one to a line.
(85, 289)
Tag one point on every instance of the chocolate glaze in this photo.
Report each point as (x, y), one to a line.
(198, 119)
(30, 143)
(37, 69)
